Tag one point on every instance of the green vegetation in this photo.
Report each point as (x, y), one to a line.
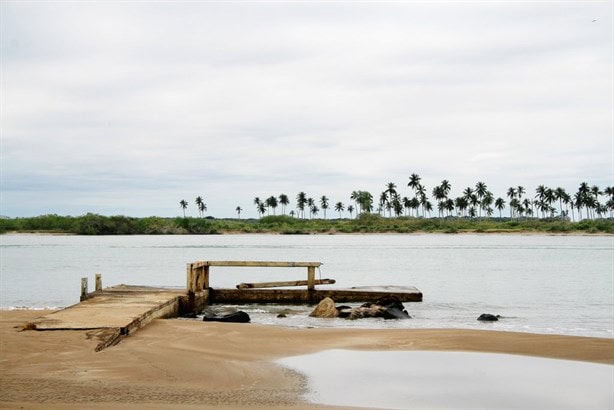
(92, 224)
(549, 212)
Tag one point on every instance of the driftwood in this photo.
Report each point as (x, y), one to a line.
(284, 284)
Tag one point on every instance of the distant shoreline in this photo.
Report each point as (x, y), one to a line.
(92, 224)
(525, 233)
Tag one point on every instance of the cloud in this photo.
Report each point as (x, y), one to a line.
(104, 103)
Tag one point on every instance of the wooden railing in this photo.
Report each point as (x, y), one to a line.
(198, 272)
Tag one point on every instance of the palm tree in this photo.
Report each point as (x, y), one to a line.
(499, 204)
(301, 201)
(480, 191)
(609, 191)
(559, 193)
(365, 200)
(414, 203)
(421, 193)
(449, 206)
(391, 191)
(461, 205)
(184, 204)
(199, 201)
(257, 202)
(324, 204)
(313, 210)
(428, 206)
(414, 181)
(520, 190)
(292, 213)
(271, 202)
(397, 205)
(284, 201)
(310, 205)
(355, 197)
(406, 205)
(487, 201)
(527, 204)
(514, 205)
(467, 193)
(350, 210)
(239, 209)
(474, 202)
(383, 199)
(262, 208)
(511, 194)
(202, 208)
(339, 208)
(439, 197)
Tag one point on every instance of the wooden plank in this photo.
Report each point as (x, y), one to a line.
(284, 284)
(256, 264)
(291, 296)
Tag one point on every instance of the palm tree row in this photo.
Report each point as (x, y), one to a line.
(475, 201)
(200, 205)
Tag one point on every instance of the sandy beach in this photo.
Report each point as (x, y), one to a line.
(191, 364)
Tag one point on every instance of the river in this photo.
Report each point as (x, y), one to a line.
(537, 283)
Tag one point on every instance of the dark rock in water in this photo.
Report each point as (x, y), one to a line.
(189, 315)
(393, 312)
(281, 316)
(487, 317)
(344, 311)
(236, 317)
(389, 307)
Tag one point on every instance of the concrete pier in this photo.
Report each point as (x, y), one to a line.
(120, 310)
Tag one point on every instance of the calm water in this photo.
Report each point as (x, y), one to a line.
(453, 380)
(539, 283)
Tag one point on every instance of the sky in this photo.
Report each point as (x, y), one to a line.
(128, 107)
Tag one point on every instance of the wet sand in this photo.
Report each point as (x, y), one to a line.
(183, 364)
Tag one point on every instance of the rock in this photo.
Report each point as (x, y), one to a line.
(281, 316)
(189, 315)
(487, 317)
(236, 317)
(326, 308)
(389, 307)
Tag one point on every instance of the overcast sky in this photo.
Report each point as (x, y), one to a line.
(129, 107)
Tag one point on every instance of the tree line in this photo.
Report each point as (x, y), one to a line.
(475, 202)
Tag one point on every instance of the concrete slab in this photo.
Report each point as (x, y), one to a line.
(115, 307)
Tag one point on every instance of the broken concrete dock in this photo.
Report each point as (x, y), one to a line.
(120, 310)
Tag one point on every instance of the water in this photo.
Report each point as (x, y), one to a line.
(538, 283)
(452, 380)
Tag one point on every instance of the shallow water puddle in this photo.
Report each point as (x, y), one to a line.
(453, 380)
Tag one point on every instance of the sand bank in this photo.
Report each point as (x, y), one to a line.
(189, 364)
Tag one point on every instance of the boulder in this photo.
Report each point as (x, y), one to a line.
(235, 317)
(389, 307)
(487, 317)
(326, 308)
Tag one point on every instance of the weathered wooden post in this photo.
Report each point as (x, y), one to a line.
(190, 278)
(311, 277)
(83, 289)
(98, 282)
(205, 282)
